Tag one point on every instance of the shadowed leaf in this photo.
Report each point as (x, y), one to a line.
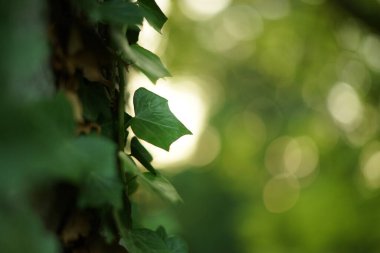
(142, 59)
(141, 154)
(117, 12)
(160, 185)
(148, 63)
(156, 183)
(22, 231)
(148, 241)
(153, 14)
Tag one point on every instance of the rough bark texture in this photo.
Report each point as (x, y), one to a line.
(79, 54)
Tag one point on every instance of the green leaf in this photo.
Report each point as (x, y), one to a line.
(97, 106)
(48, 123)
(58, 111)
(143, 241)
(132, 185)
(25, 51)
(153, 121)
(161, 232)
(133, 34)
(131, 171)
(93, 153)
(99, 189)
(95, 157)
(142, 59)
(94, 101)
(22, 231)
(156, 183)
(153, 14)
(128, 165)
(148, 63)
(148, 241)
(139, 152)
(116, 12)
(176, 245)
(161, 186)
(107, 128)
(127, 119)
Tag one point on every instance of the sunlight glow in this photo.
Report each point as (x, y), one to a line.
(292, 156)
(371, 52)
(208, 148)
(281, 193)
(242, 22)
(239, 23)
(203, 9)
(165, 6)
(367, 129)
(344, 105)
(301, 156)
(273, 9)
(370, 165)
(356, 73)
(150, 38)
(212, 37)
(371, 170)
(349, 35)
(274, 155)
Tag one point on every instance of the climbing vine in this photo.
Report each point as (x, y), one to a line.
(79, 165)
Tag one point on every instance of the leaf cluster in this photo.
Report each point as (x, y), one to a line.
(78, 136)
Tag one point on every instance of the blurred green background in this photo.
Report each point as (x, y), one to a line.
(287, 153)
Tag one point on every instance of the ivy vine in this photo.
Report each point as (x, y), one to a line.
(76, 177)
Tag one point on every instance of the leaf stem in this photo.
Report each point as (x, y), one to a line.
(119, 224)
(121, 106)
(121, 139)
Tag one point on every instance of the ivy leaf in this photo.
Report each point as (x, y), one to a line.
(127, 119)
(132, 185)
(91, 153)
(128, 165)
(139, 152)
(148, 63)
(132, 172)
(93, 158)
(161, 232)
(21, 230)
(94, 101)
(153, 14)
(26, 49)
(132, 34)
(176, 245)
(148, 241)
(157, 183)
(99, 190)
(48, 122)
(116, 12)
(143, 241)
(153, 121)
(142, 59)
(161, 186)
